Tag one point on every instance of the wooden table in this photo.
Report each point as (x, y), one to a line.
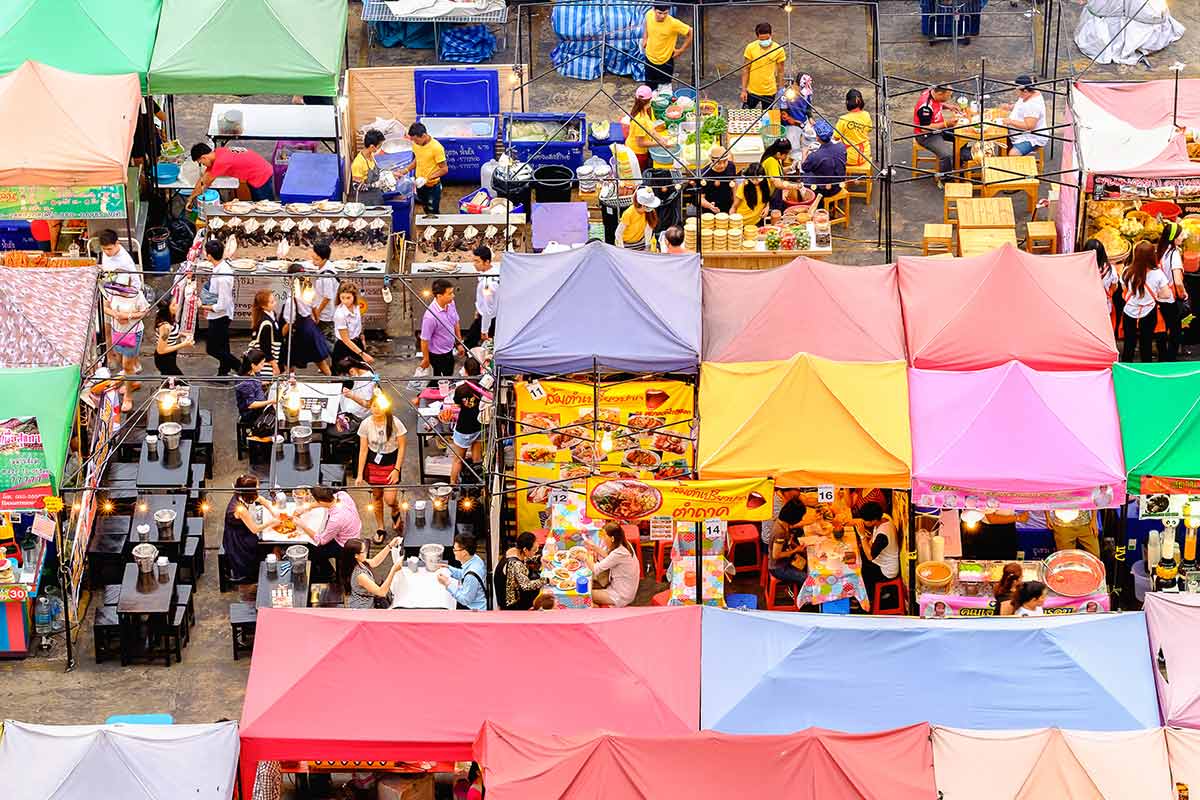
(287, 474)
(977, 241)
(991, 212)
(757, 259)
(145, 594)
(266, 585)
(169, 469)
(169, 547)
(970, 133)
(1011, 174)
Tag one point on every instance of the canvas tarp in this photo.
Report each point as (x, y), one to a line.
(50, 395)
(74, 130)
(1029, 439)
(249, 47)
(630, 311)
(833, 311)
(812, 764)
(1007, 305)
(806, 421)
(1163, 442)
(1049, 762)
(46, 315)
(1173, 620)
(862, 673)
(1183, 750)
(1127, 129)
(132, 762)
(93, 37)
(631, 670)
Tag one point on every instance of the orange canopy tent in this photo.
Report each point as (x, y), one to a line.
(806, 421)
(1048, 312)
(64, 128)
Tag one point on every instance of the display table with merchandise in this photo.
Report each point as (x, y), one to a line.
(971, 584)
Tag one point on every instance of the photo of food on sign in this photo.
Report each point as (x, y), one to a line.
(626, 432)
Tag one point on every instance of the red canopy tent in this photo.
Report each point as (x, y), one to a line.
(627, 671)
(1048, 312)
(812, 764)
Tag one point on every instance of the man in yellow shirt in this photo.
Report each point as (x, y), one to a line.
(659, 38)
(429, 162)
(762, 71)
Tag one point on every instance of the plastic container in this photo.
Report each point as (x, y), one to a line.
(160, 249)
(167, 172)
(460, 107)
(602, 147)
(283, 154)
(663, 158)
(566, 153)
(514, 184)
(42, 616)
(1164, 208)
(552, 183)
(311, 177)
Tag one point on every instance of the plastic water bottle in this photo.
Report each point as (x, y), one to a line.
(42, 616)
(58, 621)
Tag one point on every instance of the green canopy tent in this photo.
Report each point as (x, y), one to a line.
(92, 37)
(1159, 409)
(247, 47)
(50, 395)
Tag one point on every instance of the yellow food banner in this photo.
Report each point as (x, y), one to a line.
(629, 499)
(643, 429)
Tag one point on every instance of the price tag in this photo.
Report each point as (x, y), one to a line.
(661, 528)
(825, 494)
(43, 527)
(535, 390)
(560, 497)
(52, 504)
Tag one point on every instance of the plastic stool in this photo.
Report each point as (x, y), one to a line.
(661, 598)
(140, 719)
(836, 606)
(747, 601)
(896, 609)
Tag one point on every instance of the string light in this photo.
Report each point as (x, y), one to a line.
(107, 507)
(790, 93)
(76, 506)
(370, 506)
(606, 442)
(466, 504)
(380, 402)
(143, 506)
(404, 505)
(971, 518)
(1066, 515)
(787, 8)
(204, 506)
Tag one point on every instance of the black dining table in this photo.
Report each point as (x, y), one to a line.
(430, 533)
(143, 514)
(189, 421)
(167, 469)
(144, 594)
(287, 474)
(266, 585)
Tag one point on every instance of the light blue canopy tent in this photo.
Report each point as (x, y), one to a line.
(775, 673)
(629, 311)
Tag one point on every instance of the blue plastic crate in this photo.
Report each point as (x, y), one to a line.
(311, 177)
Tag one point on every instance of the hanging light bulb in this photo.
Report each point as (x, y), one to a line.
(371, 506)
(381, 402)
(204, 506)
(107, 507)
(466, 504)
(971, 518)
(143, 506)
(308, 294)
(1066, 515)
(790, 93)
(606, 442)
(76, 506)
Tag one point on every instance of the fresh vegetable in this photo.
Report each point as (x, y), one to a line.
(774, 239)
(713, 127)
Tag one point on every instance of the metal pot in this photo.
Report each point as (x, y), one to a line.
(170, 433)
(298, 555)
(144, 555)
(301, 435)
(165, 519)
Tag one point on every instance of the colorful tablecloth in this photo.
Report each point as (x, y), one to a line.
(832, 575)
(683, 581)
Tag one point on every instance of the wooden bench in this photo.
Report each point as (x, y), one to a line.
(243, 618)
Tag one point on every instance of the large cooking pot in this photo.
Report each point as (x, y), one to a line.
(144, 555)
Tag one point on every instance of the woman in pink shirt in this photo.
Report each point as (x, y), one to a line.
(233, 162)
(617, 568)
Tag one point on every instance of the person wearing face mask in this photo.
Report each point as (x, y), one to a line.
(762, 72)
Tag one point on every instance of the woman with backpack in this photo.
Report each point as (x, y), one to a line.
(515, 590)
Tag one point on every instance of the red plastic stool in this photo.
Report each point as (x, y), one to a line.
(894, 609)
(771, 586)
(745, 533)
(661, 598)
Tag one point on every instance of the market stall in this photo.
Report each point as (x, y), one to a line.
(1052, 762)
(828, 310)
(953, 587)
(639, 667)
(1047, 312)
(895, 764)
(1162, 445)
(873, 673)
(61, 761)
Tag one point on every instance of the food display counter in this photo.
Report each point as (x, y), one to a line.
(724, 241)
(444, 242)
(964, 587)
(19, 590)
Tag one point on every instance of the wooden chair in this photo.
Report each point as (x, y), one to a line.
(838, 207)
(177, 634)
(1041, 237)
(920, 154)
(937, 239)
(867, 182)
(106, 632)
(955, 192)
(243, 618)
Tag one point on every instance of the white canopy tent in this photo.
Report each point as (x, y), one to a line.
(1125, 31)
(132, 762)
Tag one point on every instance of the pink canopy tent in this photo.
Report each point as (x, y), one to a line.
(1172, 620)
(46, 315)
(630, 670)
(1007, 305)
(1027, 439)
(1183, 750)
(64, 128)
(1050, 762)
(812, 764)
(833, 311)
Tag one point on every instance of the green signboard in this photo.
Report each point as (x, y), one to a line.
(24, 478)
(62, 202)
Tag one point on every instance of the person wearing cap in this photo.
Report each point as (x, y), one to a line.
(659, 40)
(825, 167)
(1028, 114)
(716, 182)
(641, 126)
(762, 70)
(635, 231)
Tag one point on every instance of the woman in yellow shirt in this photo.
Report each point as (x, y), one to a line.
(364, 174)
(641, 127)
(635, 231)
(853, 129)
(773, 161)
(752, 194)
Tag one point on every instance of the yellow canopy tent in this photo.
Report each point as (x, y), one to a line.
(806, 421)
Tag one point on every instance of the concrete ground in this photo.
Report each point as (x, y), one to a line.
(209, 685)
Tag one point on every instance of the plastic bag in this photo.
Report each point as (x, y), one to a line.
(416, 384)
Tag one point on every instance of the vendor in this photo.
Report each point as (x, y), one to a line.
(233, 162)
(775, 159)
(635, 231)
(641, 127)
(825, 167)
(995, 538)
(1074, 530)
(429, 164)
(487, 299)
(1028, 114)
(366, 180)
(752, 194)
(881, 547)
(716, 182)
(358, 582)
(470, 593)
(853, 129)
(762, 69)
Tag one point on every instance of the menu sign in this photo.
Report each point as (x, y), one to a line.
(1108, 187)
(24, 476)
(631, 499)
(62, 202)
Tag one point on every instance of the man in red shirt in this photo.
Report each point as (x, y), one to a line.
(930, 118)
(234, 162)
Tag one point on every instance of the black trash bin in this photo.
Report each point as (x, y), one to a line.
(552, 183)
(611, 209)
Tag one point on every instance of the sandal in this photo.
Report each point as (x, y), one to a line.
(379, 534)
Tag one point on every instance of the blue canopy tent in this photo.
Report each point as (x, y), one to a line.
(599, 305)
(859, 674)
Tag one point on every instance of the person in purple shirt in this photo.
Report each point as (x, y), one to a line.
(825, 167)
(440, 331)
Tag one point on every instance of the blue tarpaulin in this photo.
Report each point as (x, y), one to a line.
(468, 44)
(581, 27)
(630, 311)
(859, 674)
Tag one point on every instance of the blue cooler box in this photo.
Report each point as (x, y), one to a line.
(311, 177)
(567, 154)
(402, 208)
(459, 108)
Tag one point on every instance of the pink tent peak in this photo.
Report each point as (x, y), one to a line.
(834, 311)
(1007, 305)
(1146, 104)
(1183, 750)
(64, 128)
(1172, 621)
(1050, 762)
(1028, 439)
(631, 670)
(812, 764)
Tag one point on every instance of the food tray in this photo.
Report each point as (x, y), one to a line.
(743, 120)
(1074, 573)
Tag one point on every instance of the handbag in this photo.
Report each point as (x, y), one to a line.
(126, 339)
